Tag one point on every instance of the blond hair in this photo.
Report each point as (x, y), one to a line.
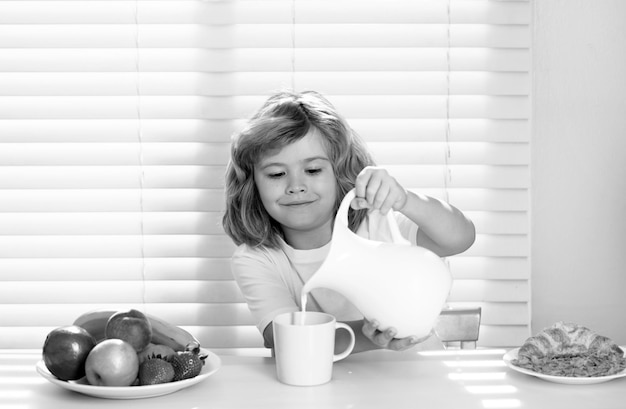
(283, 119)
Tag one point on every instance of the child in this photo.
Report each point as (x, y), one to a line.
(289, 170)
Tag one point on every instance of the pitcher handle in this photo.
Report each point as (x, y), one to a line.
(342, 216)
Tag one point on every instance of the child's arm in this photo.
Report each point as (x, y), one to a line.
(443, 228)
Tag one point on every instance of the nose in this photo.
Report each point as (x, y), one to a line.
(296, 186)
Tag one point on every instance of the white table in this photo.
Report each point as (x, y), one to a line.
(459, 379)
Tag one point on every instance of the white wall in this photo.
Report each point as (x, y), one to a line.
(578, 218)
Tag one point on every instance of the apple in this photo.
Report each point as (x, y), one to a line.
(65, 351)
(113, 362)
(131, 326)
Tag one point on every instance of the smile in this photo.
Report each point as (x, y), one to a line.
(297, 204)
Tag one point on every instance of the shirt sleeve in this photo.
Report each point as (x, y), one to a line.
(257, 273)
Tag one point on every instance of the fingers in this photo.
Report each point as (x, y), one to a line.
(386, 338)
(383, 205)
(368, 183)
(381, 338)
(408, 342)
(369, 328)
(401, 344)
(361, 182)
(359, 203)
(378, 189)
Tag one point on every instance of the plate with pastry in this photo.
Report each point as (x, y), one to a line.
(569, 353)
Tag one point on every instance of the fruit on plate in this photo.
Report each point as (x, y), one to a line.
(163, 333)
(65, 351)
(158, 350)
(131, 326)
(94, 322)
(112, 362)
(155, 370)
(187, 364)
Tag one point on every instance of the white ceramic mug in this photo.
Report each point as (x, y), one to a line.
(304, 347)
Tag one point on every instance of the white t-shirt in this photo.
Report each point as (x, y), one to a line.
(271, 280)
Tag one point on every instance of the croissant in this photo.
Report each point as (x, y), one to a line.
(567, 339)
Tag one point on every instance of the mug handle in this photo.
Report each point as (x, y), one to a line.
(350, 347)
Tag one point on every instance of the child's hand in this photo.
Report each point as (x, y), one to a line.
(375, 188)
(385, 339)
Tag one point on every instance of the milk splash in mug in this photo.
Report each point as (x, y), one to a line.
(303, 301)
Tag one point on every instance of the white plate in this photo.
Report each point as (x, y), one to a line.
(212, 364)
(512, 354)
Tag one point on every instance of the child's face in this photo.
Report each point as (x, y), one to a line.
(297, 186)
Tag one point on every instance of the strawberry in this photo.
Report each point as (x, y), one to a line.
(155, 370)
(187, 364)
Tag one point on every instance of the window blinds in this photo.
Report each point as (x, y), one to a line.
(115, 121)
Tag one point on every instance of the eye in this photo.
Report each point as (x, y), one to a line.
(313, 171)
(275, 175)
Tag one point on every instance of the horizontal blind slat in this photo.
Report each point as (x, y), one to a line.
(188, 153)
(111, 177)
(500, 222)
(169, 223)
(118, 130)
(258, 11)
(159, 200)
(180, 153)
(489, 268)
(183, 107)
(189, 268)
(508, 199)
(256, 83)
(91, 199)
(118, 223)
(426, 129)
(115, 246)
(264, 59)
(459, 153)
(499, 245)
(211, 177)
(489, 290)
(190, 246)
(262, 35)
(198, 130)
(187, 314)
(137, 292)
(115, 269)
(462, 176)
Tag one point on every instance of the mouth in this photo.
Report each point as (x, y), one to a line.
(300, 203)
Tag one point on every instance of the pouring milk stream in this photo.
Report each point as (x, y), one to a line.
(399, 285)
